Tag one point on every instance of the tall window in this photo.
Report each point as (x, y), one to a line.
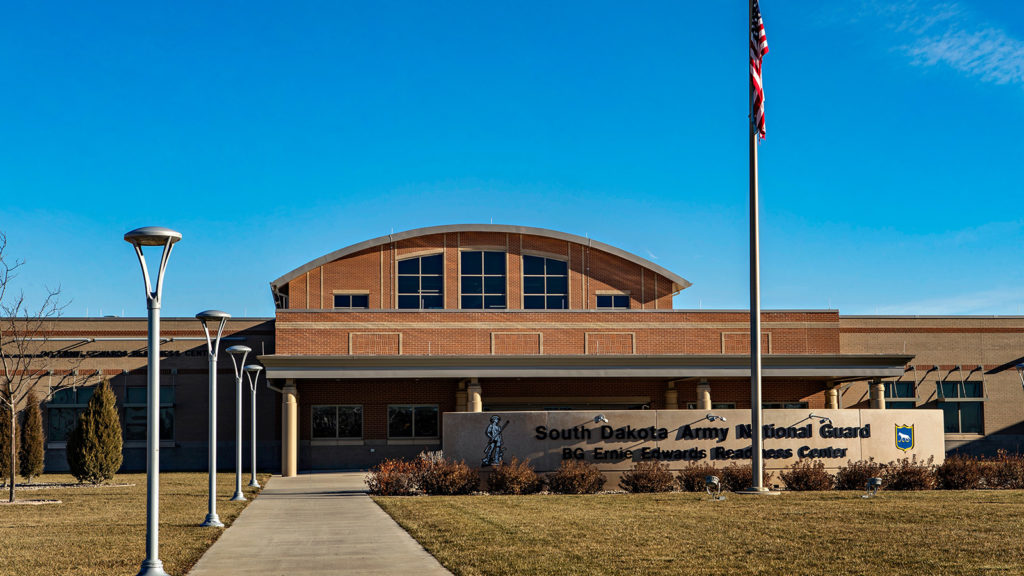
(412, 421)
(899, 395)
(63, 410)
(545, 283)
(483, 280)
(135, 414)
(337, 422)
(421, 282)
(961, 406)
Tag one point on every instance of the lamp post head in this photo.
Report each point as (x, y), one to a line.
(238, 350)
(212, 315)
(152, 236)
(253, 369)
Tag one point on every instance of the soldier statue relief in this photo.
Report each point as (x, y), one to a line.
(495, 448)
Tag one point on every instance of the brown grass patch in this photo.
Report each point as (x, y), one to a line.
(102, 530)
(969, 532)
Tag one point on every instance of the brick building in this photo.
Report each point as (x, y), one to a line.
(373, 343)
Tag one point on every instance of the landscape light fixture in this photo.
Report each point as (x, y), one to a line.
(1020, 372)
(235, 352)
(821, 419)
(252, 373)
(713, 487)
(712, 418)
(600, 418)
(872, 488)
(153, 236)
(212, 347)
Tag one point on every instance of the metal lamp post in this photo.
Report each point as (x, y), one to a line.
(252, 373)
(1020, 372)
(235, 352)
(212, 346)
(153, 236)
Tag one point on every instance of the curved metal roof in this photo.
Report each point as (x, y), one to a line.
(678, 282)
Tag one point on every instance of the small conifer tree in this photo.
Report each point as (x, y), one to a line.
(5, 445)
(30, 453)
(94, 447)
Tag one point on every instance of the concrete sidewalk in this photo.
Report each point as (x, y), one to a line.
(316, 524)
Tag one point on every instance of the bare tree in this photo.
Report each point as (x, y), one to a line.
(24, 353)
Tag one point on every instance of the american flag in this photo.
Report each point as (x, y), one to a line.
(758, 48)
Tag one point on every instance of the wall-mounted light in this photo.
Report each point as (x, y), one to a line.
(1020, 372)
(600, 418)
(821, 419)
(712, 418)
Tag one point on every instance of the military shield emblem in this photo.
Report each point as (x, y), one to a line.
(904, 437)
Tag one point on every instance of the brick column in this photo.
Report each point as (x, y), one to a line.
(877, 393)
(476, 402)
(704, 395)
(289, 429)
(832, 399)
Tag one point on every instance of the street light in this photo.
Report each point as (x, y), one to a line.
(153, 236)
(235, 352)
(252, 373)
(212, 520)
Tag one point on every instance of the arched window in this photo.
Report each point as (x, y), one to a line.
(421, 282)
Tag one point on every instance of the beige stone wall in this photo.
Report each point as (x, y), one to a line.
(715, 443)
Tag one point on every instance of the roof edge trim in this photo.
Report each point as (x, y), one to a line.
(678, 282)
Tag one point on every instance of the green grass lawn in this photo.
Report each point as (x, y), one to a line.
(931, 533)
(102, 530)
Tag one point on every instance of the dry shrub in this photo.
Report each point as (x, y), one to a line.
(514, 477)
(854, 476)
(393, 477)
(448, 478)
(960, 472)
(807, 475)
(576, 477)
(1006, 471)
(740, 477)
(691, 478)
(909, 474)
(648, 477)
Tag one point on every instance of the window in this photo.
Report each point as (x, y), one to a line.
(351, 300)
(784, 405)
(613, 301)
(135, 414)
(421, 282)
(483, 280)
(899, 395)
(63, 410)
(714, 405)
(545, 283)
(961, 406)
(412, 422)
(337, 422)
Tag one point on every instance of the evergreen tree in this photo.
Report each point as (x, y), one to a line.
(5, 446)
(94, 448)
(30, 453)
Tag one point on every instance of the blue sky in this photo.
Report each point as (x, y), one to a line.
(270, 134)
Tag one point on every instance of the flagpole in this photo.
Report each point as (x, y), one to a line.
(757, 432)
